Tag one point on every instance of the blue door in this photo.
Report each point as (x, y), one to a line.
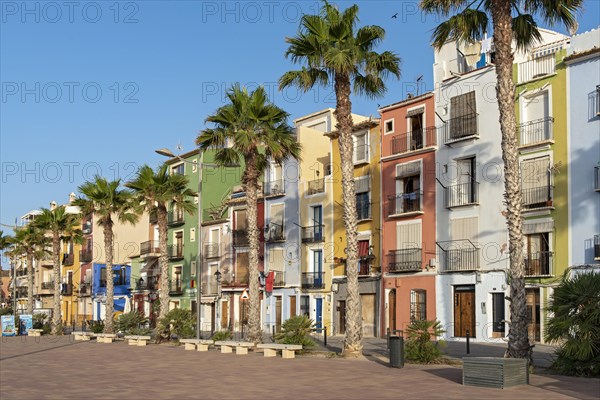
(319, 314)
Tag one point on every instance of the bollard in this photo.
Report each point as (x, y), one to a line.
(396, 352)
(325, 336)
(468, 343)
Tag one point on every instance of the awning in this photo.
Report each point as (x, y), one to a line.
(120, 304)
(539, 226)
(415, 112)
(363, 248)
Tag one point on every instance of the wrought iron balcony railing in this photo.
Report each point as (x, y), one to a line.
(537, 131)
(150, 247)
(68, 259)
(175, 252)
(458, 260)
(175, 217)
(313, 234)
(537, 197)
(538, 264)
(274, 233)
(150, 283)
(175, 287)
(274, 188)
(414, 140)
(405, 260)
(460, 128)
(313, 280)
(48, 285)
(404, 203)
(461, 194)
(212, 250)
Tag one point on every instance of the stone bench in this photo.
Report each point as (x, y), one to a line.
(199, 344)
(241, 348)
(137, 340)
(105, 337)
(287, 350)
(34, 332)
(79, 335)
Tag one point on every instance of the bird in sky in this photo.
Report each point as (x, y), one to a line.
(395, 15)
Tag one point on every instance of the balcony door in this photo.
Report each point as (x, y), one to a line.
(535, 182)
(317, 266)
(415, 123)
(536, 254)
(178, 244)
(317, 219)
(466, 179)
(463, 110)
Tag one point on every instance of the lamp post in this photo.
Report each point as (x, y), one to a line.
(168, 153)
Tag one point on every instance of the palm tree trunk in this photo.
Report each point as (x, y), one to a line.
(29, 283)
(343, 113)
(250, 182)
(56, 316)
(110, 285)
(518, 342)
(163, 291)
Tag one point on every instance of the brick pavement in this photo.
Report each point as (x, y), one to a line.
(51, 368)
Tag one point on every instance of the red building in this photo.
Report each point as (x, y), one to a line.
(409, 143)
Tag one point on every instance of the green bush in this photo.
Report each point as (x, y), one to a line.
(6, 311)
(296, 330)
(39, 322)
(97, 326)
(575, 325)
(222, 335)
(127, 323)
(419, 346)
(178, 322)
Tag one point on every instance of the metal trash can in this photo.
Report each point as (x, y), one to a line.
(396, 352)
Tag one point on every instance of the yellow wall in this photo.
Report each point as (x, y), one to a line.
(69, 304)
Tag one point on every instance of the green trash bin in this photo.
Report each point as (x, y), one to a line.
(396, 352)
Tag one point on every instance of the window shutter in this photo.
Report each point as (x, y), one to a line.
(465, 228)
(362, 184)
(408, 169)
(276, 259)
(408, 236)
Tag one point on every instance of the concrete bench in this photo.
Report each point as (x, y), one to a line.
(105, 337)
(199, 344)
(241, 348)
(79, 335)
(137, 340)
(287, 350)
(34, 332)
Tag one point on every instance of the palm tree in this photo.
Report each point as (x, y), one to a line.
(5, 241)
(513, 22)
(60, 224)
(107, 203)
(332, 50)
(252, 129)
(154, 192)
(30, 241)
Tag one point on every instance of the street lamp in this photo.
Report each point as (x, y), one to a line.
(168, 153)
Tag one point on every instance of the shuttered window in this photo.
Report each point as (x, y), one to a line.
(362, 184)
(277, 214)
(241, 221)
(276, 259)
(463, 112)
(535, 181)
(408, 235)
(465, 228)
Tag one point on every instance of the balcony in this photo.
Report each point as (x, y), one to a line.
(86, 255)
(48, 285)
(274, 188)
(537, 131)
(460, 260)
(150, 247)
(313, 234)
(279, 280)
(175, 252)
(360, 154)
(462, 194)
(405, 260)
(313, 280)
(150, 283)
(275, 233)
(66, 289)
(597, 178)
(68, 259)
(175, 287)
(363, 211)
(538, 264)
(316, 186)
(364, 268)
(460, 128)
(538, 197)
(212, 250)
(240, 238)
(175, 218)
(414, 140)
(85, 289)
(536, 68)
(597, 247)
(404, 203)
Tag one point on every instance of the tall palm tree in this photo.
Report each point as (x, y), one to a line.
(513, 22)
(109, 204)
(155, 192)
(5, 241)
(30, 241)
(332, 50)
(60, 224)
(252, 129)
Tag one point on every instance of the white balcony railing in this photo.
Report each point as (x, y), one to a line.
(536, 68)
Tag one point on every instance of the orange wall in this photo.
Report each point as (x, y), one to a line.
(403, 286)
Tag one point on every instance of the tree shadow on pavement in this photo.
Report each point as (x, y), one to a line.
(450, 374)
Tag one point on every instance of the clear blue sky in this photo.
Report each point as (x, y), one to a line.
(95, 88)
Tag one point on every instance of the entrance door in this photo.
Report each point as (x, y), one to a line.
(224, 314)
(368, 314)
(464, 311)
(533, 314)
(341, 308)
(392, 310)
(292, 306)
(278, 314)
(319, 313)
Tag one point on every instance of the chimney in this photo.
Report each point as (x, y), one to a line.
(72, 197)
(53, 205)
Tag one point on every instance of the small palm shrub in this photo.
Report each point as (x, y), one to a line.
(296, 330)
(177, 323)
(127, 323)
(575, 325)
(97, 326)
(39, 322)
(419, 346)
(222, 335)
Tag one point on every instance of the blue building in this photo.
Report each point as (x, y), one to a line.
(122, 291)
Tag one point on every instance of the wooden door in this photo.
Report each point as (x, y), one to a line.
(224, 314)
(278, 314)
(292, 306)
(533, 315)
(392, 310)
(212, 316)
(341, 308)
(368, 314)
(464, 312)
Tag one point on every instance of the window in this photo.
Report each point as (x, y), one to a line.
(389, 126)
(418, 309)
(192, 234)
(305, 305)
(415, 124)
(241, 268)
(536, 182)
(275, 231)
(362, 187)
(178, 169)
(463, 116)
(537, 255)
(361, 148)
(408, 189)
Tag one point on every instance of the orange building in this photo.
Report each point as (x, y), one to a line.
(408, 228)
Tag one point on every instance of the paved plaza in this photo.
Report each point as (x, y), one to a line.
(59, 368)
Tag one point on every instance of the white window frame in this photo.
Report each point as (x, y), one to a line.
(367, 145)
(385, 131)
